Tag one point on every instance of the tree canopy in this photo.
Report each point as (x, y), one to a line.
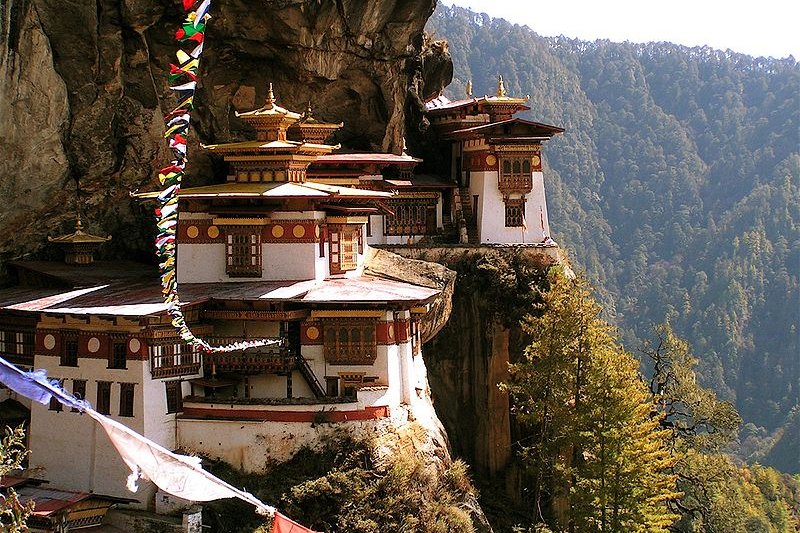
(676, 182)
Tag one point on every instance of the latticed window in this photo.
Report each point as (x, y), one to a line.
(174, 358)
(350, 341)
(344, 248)
(17, 342)
(515, 213)
(516, 175)
(243, 253)
(411, 216)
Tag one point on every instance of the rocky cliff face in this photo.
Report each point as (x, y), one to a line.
(83, 89)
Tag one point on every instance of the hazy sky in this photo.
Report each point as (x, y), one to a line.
(758, 28)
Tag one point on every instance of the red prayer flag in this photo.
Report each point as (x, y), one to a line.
(281, 524)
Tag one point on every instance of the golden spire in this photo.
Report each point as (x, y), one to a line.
(308, 109)
(270, 97)
(501, 88)
(468, 89)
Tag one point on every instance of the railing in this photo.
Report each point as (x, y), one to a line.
(515, 183)
(274, 359)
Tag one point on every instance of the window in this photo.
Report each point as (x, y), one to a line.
(126, 397)
(516, 176)
(69, 351)
(55, 405)
(289, 385)
(17, 342)
(515, 213)
(243, 252)
(174, 396)
(104, 397)
(118, 356)
(411, 216)
(78, 390)
(173, 358)
(350, 341)
(343, 248)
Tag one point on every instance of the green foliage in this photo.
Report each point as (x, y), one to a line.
(13, 513)
(344, 487)
(677, 183)
(599, 455)
(717, 496)
(506, 281)
(694, 415)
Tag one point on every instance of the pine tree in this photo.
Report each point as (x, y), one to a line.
(599, 456)
(13, 513)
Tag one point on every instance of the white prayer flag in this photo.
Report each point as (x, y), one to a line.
(179, 475)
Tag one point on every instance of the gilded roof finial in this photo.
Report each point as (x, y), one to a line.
(308, 109)
(270, 97)
(501, 88)
(468, 89)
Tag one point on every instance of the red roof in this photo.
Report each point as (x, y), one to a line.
(366, 158)
(533, 128)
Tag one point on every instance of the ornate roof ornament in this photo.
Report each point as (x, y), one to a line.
(270, 101)
(79, 246)
(468, 89)
(501, 88)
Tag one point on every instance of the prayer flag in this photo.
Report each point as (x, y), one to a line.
(282, 524)
(179, 475)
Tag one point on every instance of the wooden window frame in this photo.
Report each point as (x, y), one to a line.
(69, 357)
(78, 390)
(118, 355)
(343, 242)
(515, 174)
(339, 345)
(104, 397)
(411, 217)
(127, 399)
(514, 212)
(243, 259)
(173, 357)
(174, 396)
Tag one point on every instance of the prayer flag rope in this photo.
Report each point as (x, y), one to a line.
(184, 75)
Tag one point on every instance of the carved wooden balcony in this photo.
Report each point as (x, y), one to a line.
(272, 359)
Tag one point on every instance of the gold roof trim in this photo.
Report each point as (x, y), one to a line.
(79, 236)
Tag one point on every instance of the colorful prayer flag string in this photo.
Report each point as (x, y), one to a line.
(177, 122)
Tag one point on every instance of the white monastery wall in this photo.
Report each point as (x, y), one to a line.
(71, 450)
(491, 211)
(201, 263)
(290, 261)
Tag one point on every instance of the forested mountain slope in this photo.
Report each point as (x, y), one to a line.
(675, 187)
